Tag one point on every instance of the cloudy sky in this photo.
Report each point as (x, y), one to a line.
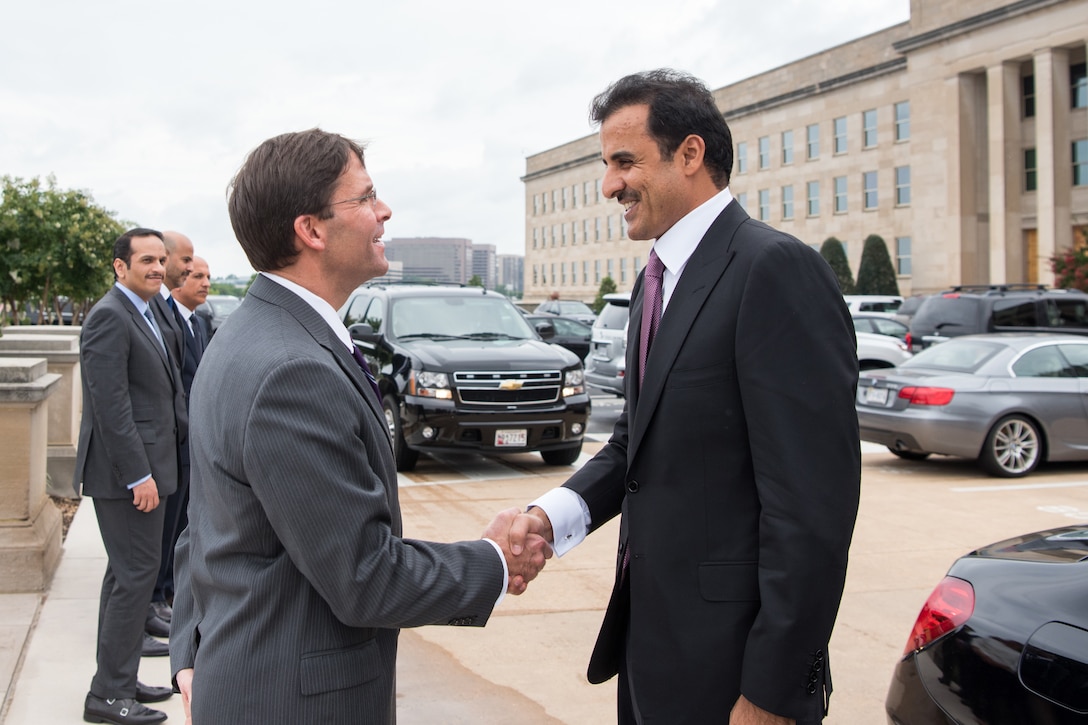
(151, 107)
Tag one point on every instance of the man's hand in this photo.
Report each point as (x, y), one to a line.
(145, 497)
(532, 552)
(184, 678)
(533, 521)
(745, 713)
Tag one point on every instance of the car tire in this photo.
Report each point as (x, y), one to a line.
(562, 456)
(1014, 448)
(406, 457)
(909, 455)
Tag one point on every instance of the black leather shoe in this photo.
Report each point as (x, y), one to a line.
(120, 712)
(156, 627)
(162, 610)
(154, 648)
(147, 693)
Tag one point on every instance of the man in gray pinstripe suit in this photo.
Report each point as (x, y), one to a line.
(293, 578)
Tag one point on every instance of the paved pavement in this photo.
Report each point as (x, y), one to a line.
(528, 664)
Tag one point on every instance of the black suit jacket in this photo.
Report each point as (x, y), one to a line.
(736, 467)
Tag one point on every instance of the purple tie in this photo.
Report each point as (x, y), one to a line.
(358, 355)
(651, 310)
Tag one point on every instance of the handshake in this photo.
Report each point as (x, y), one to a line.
(525, 540)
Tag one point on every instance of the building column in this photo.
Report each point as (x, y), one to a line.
(1003, 122)
(968, 201)
(1053, 154)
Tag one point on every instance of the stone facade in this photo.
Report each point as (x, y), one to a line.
(951, 136)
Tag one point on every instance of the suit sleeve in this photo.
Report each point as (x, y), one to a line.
(311, 456)
(797, 369)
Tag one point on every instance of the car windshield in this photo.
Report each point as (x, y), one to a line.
(224, 306)
(457, 317)
(960, 355)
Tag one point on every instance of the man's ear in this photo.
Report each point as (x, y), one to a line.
(310, 231)
(692, 151)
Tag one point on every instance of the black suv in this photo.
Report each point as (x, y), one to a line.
(460, 369)
(972, 309)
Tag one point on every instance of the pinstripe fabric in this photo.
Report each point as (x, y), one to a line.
(292, 577)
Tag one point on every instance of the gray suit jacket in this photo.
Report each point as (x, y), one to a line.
(736, 467)
(292, 577)
(133, 403)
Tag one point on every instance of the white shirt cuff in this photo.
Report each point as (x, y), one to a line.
(569, 516)
(505, 571)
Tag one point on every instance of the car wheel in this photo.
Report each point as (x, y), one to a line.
(406, 457)
(562, 456)
(909, 455)
(1013, 448)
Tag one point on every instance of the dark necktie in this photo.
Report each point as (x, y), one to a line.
(651, 310)
(358, 355)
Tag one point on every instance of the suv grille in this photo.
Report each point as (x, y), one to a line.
(504, 388)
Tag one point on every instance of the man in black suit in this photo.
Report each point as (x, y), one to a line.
(133, 418)
(736, 462)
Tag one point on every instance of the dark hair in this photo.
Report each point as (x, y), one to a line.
(680, 105)
(122, 248)
(283, 178)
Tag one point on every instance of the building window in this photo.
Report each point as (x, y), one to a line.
(1078, 81)
(535, 236)
(611, 231)
(623, 270)
(1029, 170)
(563, 271)
(742, 199)
(902, 121)
(764, 204)
(585, 231)
(585, 272)
(742, 157)
(585, 193)
(555, 199)
(787, 147)
(555, 234)
(536, 276)
(1027, 84)
(554, 278)
(1080, 162)
(610, 272)
(902, 186)
(868, 128)
(598, 190)
(764, 152)
(637, 265)
(597, 230)
(868, 185)
(565, 197)
(812, 141)
(840, 194)
(597, 271)
(536, 204)
(812, 194)
(564, 233)
(839, 125)
(902, 256)
(787, 202)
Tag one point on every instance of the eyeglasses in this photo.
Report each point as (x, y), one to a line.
(372, 197)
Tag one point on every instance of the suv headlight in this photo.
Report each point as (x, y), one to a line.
(430, 385)
(574, 382)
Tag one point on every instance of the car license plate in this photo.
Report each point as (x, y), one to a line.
(511, 438)
(876, 396)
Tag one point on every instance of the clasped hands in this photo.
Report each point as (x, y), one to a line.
(525, 540)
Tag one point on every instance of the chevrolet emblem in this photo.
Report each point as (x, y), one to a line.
(510, 385)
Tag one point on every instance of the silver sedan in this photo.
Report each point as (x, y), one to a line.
(1011, 401)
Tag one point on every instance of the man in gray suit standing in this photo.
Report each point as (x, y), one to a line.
(133, 417)
(293, 578)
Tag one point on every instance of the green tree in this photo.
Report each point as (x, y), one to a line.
(833, 251)
(608, 286)
(1071, 268)
(876, 274)
(475, 281)
(54, 245)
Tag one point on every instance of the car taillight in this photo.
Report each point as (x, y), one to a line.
(917, 395)
(948, 607)
(909, 342)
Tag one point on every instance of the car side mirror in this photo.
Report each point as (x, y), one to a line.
(363, 332)
(545, 329)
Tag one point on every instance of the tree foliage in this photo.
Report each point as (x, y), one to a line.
(55, 245)
(876, 274)
(475, 281)
(608, 286)
(835, 254)
(1071, 268)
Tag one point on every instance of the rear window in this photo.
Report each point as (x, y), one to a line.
(939, 312)
(612, 317)
(959, 355)
(1015, 313)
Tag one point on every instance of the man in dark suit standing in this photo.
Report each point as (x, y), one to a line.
(736, 462)
(133, 417)
(293, 578)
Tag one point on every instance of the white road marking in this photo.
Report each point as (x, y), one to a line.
(1018, 487)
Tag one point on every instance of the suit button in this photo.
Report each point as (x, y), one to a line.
(632, 486)
(812, 689)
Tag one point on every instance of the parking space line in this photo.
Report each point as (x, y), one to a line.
(1018, 487)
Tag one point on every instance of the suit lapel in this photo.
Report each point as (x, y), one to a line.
(141, 324)
(703, 271)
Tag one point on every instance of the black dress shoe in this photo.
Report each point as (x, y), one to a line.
(156, 627)
(162, 610)
(154, 648)
(147, 693)
(121, 712)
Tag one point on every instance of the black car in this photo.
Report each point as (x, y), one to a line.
(1003, 639)
(460, 369)
(970, 310)
(563, 331)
